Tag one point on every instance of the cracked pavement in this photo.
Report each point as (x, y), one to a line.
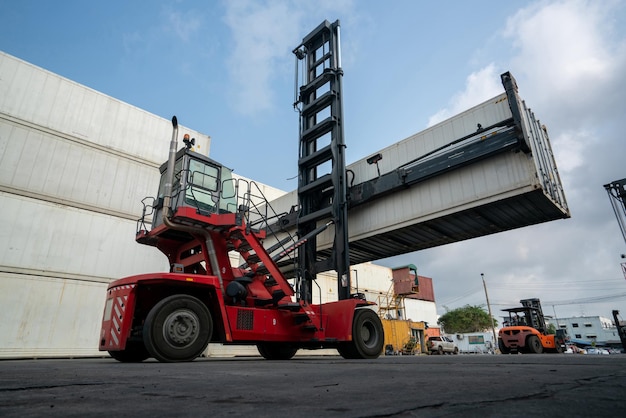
(398, 386)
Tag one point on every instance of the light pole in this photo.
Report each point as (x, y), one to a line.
(493, 328)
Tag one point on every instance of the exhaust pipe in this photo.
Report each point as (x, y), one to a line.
(169, 181)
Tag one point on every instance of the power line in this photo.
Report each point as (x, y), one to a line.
(500, 285)
(591, 299)
(455, 299)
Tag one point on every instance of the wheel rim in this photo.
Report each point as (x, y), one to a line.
(368, 334)
(180, 328)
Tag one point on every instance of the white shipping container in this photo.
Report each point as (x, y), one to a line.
(74, 167)
(42, 100)
(49, 317)
(507, 190)
(55, 240)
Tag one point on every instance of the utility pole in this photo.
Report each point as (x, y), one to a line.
(493, 328)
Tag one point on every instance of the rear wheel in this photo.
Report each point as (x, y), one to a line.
(134, 353)
(503, 348)
(367, 336)
(178, 328)
(276, 351)
(534, 345)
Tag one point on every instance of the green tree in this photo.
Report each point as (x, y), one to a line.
(466, 319)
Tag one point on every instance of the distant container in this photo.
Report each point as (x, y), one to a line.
(411, 285)
(474, 343)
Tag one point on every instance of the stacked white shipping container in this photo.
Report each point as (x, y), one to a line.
(74, 167)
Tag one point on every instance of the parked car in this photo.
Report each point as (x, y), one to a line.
(443, 344)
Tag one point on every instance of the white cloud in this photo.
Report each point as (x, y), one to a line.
(569, 60)
(264, 34)
(568, 50)
(571, 146)
(479, 86)
(182, 24)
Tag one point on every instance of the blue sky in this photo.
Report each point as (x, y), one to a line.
(225, 68)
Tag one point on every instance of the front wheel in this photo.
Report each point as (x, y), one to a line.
(503, 348)
(367, 336)
(178, 328)
(534, 345)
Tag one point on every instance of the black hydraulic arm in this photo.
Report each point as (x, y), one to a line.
(617, 194)
(484, 143)
(621, 329)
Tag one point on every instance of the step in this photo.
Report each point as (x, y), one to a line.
(327, 75)
(293, 307)
(321, 183)
(318, 157)
(317, 215)
(301, 318)
(318, 104)
(319, 129)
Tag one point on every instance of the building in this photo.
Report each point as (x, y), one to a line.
(589, 330)
(408, 310)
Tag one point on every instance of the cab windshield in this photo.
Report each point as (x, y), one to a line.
(210, 187)
(204, 185)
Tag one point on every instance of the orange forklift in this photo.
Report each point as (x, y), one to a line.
(525, 331)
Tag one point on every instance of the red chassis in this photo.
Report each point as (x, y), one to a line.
(297, 325)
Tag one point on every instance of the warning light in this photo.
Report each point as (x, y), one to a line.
(189, 143)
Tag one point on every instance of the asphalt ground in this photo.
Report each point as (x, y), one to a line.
(554, 385)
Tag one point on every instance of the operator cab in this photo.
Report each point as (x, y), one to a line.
(200, 183)
(525, 316)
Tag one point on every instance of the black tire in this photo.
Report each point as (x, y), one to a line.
(178, 328)
(558, 348)
(440, 350)
(456, 351)
(367, 336)
(276, 351)
(348, 351)
(503, 348)
(534, 345)
(135, 352)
